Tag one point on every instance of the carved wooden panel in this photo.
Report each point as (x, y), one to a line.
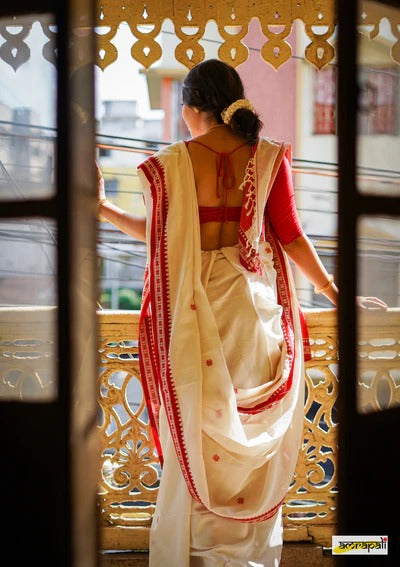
(311, 500)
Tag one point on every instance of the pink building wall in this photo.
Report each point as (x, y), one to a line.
(166, 96)
(273, 93)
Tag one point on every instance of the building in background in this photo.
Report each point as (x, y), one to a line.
(121, 259)
(378, 150)
(26, 172)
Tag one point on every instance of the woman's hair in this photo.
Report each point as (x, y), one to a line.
(211, 86)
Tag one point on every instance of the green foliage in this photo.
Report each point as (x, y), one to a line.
(128, 298)
(105, 299)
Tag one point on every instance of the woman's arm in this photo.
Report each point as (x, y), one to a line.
(129, 224)
(285, 221)
(282, 213)
(304, 255)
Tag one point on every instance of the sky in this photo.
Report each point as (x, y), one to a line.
(34, 83)
(122, 79)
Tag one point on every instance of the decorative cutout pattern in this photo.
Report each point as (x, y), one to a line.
(14, 50)
(130, 469)
(379, 362)
(145, 19)
(371, 13)
(28, 354)
(311, 500)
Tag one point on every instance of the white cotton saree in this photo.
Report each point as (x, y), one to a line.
(221, 355)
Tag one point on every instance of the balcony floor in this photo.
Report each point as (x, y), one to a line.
(293, 555)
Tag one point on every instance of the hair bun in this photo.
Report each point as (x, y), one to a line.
(230, 110)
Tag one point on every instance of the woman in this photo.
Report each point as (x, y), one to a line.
(221, 332)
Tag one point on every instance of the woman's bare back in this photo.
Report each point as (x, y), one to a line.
(210, 188)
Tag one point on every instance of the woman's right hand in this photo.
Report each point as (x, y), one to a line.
(371, 303)
(101, 194)
(130, 224)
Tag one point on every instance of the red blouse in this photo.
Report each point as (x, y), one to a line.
(281, 206)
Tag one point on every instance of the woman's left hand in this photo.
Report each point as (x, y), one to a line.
(371, 303)
(101, 194)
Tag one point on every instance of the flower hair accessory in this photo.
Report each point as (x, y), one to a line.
(230, 110)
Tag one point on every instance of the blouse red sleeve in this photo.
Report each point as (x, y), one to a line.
(281, 206)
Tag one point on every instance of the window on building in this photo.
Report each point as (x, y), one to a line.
(325, 101)
(379, 101)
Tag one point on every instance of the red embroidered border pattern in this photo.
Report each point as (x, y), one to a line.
(248, 255)
(159, 293)
(266, 516)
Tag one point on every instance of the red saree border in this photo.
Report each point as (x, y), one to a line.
(263, 517)
(160, 315)
(149, 373)
(306, 337)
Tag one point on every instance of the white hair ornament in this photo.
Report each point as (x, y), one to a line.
(230, 110)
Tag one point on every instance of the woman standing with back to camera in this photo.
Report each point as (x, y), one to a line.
(221, 332)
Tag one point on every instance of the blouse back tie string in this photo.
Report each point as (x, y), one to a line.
(224, 169)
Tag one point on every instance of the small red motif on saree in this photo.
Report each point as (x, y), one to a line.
(268, 249)
(216, 457)
(235, 390)
(240, 500)
(193, 307)
(209, 361)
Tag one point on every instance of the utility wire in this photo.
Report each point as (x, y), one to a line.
(333, 165)
(17, 190)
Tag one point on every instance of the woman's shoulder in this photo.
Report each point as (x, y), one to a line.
(171, 149)
(271, 142)
(168, 152)
(278, 148)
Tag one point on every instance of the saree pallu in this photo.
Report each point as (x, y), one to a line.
(221, 357)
